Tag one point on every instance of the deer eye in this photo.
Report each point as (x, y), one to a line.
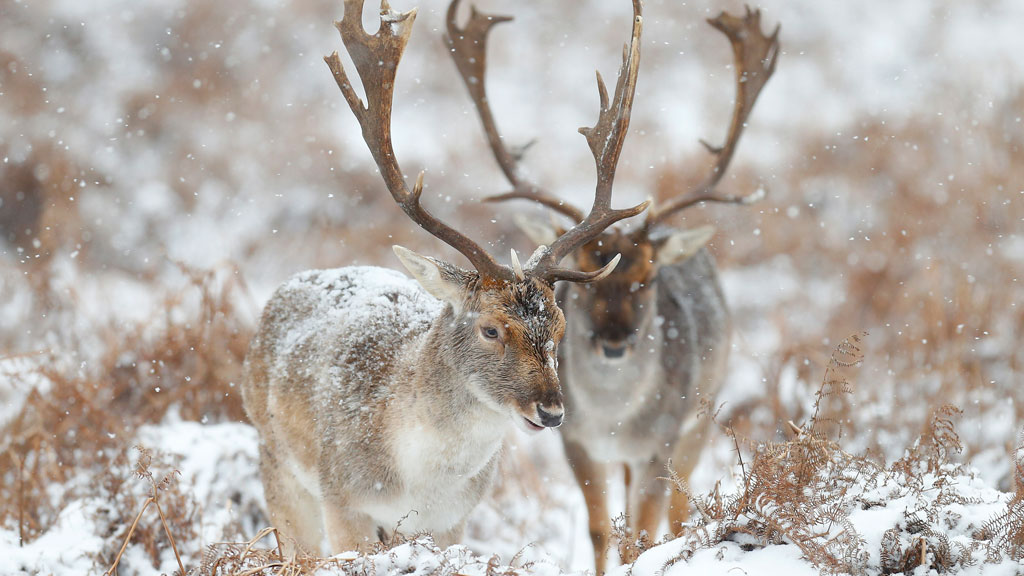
(490, 332)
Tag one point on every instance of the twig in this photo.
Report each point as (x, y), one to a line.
(739, 455)
(277, 538)
(167, 530)
(798, 431)
(128, 538)
(258, 569)
(260, 536)
(154, 499)
(21, 500)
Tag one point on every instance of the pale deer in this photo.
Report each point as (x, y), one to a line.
(646, 348)
(383, 401)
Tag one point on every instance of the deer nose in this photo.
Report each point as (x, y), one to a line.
(551, 416)
(614, 350)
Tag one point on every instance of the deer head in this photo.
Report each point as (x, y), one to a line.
(619, 306)
(502, 324)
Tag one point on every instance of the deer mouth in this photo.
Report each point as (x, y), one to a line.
(532, 426)
(529, 426)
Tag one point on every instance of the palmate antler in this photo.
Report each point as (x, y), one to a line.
(605, 139)
(755, 57)
(376, 59)
(468, 48)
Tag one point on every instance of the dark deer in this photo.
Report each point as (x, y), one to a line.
(646, 348)
(383, 401)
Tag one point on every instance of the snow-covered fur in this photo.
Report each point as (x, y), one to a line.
(379, 404)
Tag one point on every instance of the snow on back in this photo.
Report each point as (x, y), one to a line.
(352, 323)
(363, 301)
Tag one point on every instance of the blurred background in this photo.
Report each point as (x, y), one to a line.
(164, 166)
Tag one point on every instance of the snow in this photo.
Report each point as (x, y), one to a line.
(421, 558)
(206, 133)
(219, 464)
(727, 559)
(361, 302)
(67, 548)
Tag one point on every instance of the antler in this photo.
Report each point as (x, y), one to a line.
(376, 59)
(605, 139)
(755, 55)
(468, 47)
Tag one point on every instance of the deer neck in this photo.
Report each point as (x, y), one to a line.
(447, 399)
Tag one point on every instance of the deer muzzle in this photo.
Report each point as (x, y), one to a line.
(550, 416)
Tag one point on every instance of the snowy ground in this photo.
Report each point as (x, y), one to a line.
(218, 465)
(186, 135)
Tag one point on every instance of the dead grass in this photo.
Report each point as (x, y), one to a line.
(188, 360)
(177, 513)
(797, 491)
(915, 224)
(802, 492)
(419, 555)
(193, 362)
(1005, 531)
(922, 260)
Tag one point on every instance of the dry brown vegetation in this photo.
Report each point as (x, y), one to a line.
(177, 512)
(72, 436)
(924, 258)
(907, 227)
(802, 492)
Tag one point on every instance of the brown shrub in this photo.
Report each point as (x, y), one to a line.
(75, 421)
(803, 491)
(122, 513)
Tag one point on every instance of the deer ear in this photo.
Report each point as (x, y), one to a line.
(442, 280)
(683, 244)
(539, 232)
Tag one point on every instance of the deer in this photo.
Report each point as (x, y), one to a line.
(382, 401)
(645, 350)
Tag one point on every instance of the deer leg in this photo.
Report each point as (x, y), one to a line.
(646, 496)
(627, 477)
(593, 479)
(348, 529)
(444, 540)
(294, 511)
(685, 455)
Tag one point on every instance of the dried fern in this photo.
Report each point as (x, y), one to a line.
(1004, 532)
(803, 491)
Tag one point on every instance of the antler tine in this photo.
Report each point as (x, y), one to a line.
(683, 203)
(755, 56)
(539, 196)
(468, 48)
(605, 139)
(376, 60)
